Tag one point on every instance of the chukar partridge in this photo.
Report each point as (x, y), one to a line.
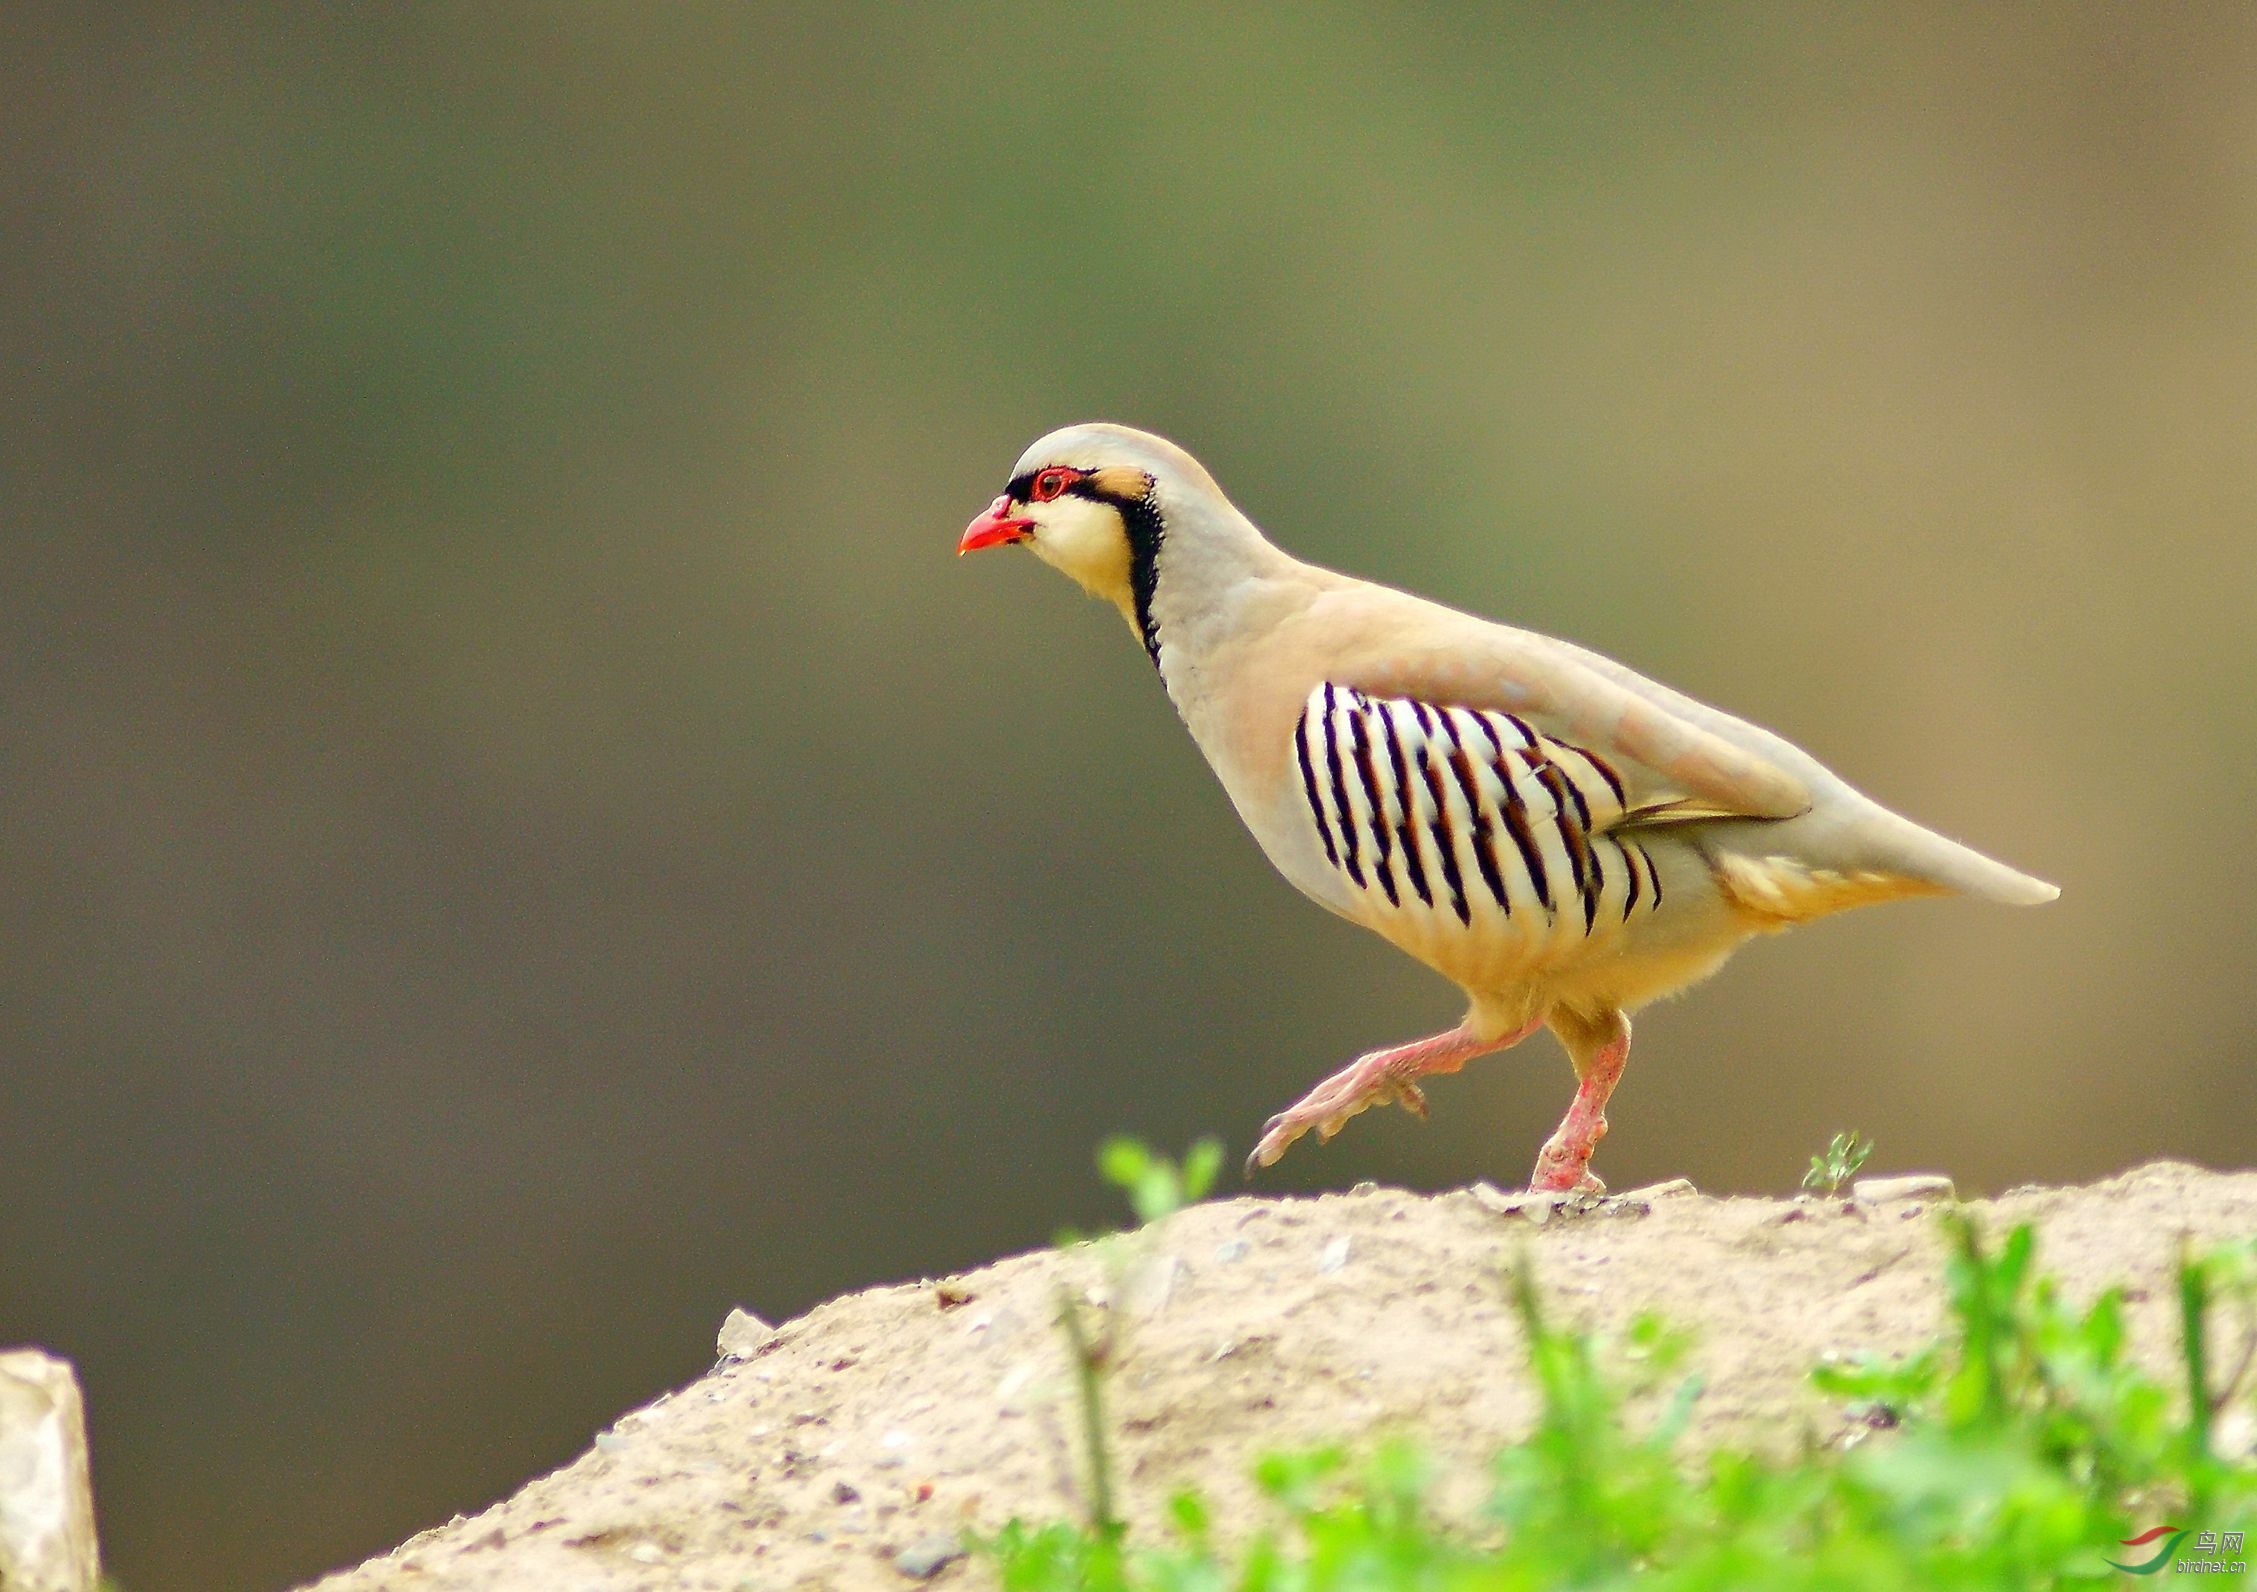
(1562, 838)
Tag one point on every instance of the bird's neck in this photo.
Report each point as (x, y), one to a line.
(1206, 579)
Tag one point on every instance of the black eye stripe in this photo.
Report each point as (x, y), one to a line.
(1020, 489)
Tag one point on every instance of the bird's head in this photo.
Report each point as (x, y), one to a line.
(1096, 501)
(1075, 498)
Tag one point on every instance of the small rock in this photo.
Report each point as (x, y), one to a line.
(1367, 1186)
(1150, 1285)
(1334, 1257)
(948, 1295)
(1675, 1188)
(611, 1442)
(1892, 1190)
(845, 1493)
(47, 1513)
(928, 1556)
(646, 1553)
(1492, 1198)
(1536, 1207)
(1231, 1249)
(742, 1335)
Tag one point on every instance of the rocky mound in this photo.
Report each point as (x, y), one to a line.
(848, 1448)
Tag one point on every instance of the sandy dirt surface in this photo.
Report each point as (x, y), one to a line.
(880, 1425)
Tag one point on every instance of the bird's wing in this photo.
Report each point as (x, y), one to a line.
(1669, 769)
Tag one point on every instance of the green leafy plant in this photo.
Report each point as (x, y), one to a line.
(1156, 1188)
(2018, 1451)
(1846, 1155)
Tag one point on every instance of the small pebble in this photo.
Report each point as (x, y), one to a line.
(742, 1335)
(845, 1493)
(1231, 1249)
(928, 1556)
(1675, 1188)
(1536, 1207)
(1492, 1198)
(1890, 1190)
(1150, 1285)
(646, 1553)
(1335, 1255)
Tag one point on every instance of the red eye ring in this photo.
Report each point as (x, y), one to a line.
(1053, 482)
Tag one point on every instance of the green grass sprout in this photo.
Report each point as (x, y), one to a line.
(1846, 1154)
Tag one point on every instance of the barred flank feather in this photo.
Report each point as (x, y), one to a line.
(1457, 812)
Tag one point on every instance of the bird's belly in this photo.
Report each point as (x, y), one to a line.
(1516, 937)
(1606, 945)
(1519, 966)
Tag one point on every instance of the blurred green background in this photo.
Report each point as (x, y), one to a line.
(520, 834)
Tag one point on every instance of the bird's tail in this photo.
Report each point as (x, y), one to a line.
(1814, 866)
(1923, 854)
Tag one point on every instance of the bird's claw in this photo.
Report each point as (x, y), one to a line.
(1326, 1109)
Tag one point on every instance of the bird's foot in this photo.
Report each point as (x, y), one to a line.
(1328, 1106)
(1563, 1166)
(1584, 1182)
(1382, 1078)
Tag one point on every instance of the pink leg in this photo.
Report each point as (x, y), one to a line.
(1375, 1079)
(1598, 1046)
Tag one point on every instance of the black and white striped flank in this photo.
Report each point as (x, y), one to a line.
(1468, 812)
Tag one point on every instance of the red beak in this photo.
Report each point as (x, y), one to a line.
(994, 528)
